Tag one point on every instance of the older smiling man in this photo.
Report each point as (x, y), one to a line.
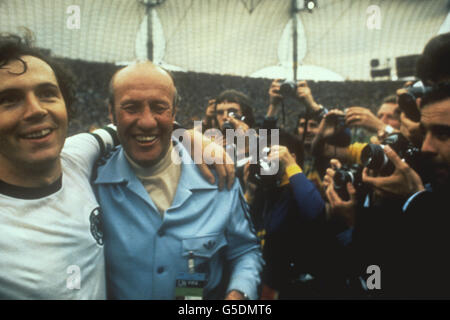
(165, 227)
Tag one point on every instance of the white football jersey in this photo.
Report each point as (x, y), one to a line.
(51, 244)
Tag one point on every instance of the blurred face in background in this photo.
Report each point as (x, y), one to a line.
(312, 128)
(223, 111)
(388, 115)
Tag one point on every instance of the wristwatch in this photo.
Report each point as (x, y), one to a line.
(319, 114)
(387, 130)
(246, 297)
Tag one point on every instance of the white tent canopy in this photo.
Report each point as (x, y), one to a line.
(239, 37)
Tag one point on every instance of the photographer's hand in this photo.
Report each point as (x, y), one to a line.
(283, 154)
(329, 174)
(275, 98)
(327, 126)
(403, 182)
(304, 93)
(222, 162)
(239, 125)
(363, 117)
(339, 208)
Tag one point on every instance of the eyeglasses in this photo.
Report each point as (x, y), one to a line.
(221, 112)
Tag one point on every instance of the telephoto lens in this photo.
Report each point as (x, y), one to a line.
(373, 157)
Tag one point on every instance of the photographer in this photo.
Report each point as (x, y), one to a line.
(326, 143)
(307, 124)
(425, 238)
(288, 213)
(233, 109)
(413, 238)
(425, 212)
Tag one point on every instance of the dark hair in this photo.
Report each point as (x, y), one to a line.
(294, 145)
(434, 63)
(234, 96)
(439, 92)
(14, 47)
(304, 114)
(390, 99)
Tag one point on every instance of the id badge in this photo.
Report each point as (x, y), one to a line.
(189, 286)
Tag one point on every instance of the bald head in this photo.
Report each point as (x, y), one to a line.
(140, 70)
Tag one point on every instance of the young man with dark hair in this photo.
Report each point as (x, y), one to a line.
(237, 102)
(51, 240)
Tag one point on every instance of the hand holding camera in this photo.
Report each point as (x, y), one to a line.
(281, 89)
(339, 208)
(332, 122)
(235, 122)
(404, 181)
(304, 93)
(275, 97)
(283, 155)
(363, 117)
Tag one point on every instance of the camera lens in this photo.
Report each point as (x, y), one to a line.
(341, 178)
(373, 157)
(227, 125)
(287, 88)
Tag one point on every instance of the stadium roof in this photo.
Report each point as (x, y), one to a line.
(336, 41)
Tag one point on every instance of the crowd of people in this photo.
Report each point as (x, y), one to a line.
(349, 204)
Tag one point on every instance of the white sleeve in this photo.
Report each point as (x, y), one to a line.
(84, 149)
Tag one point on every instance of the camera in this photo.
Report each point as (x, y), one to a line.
(407, 101)
(260, 173)
(373, 156)
(342, 135)
(338, 119)
(228, 125)
(288, 88)
(342, 176)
